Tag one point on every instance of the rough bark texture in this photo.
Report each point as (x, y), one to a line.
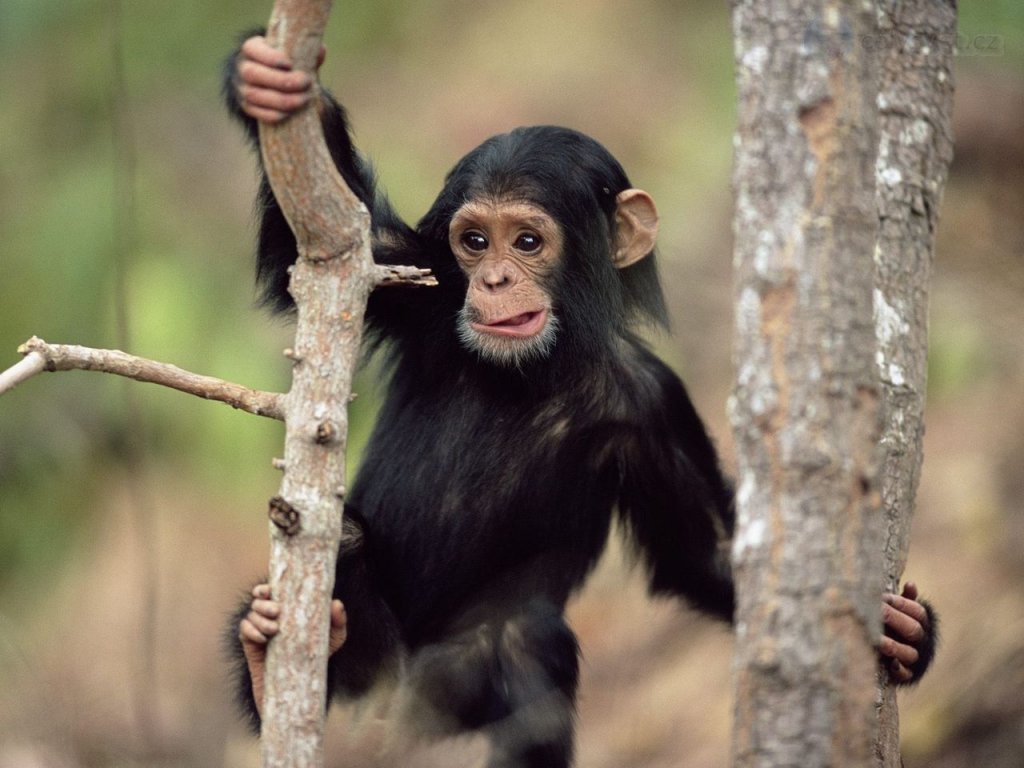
(330, 283)
(915, 47)
(807, 552)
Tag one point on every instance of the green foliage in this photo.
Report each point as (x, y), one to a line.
(189, 284)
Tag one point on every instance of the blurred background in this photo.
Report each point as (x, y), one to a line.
(131, 518)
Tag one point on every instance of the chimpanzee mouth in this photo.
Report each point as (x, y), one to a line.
(523, 325)
(512, 341)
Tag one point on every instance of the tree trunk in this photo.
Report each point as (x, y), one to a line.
(805, 412)
(330, 283)
(915, 45)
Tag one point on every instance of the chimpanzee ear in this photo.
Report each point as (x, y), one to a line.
(636, 227)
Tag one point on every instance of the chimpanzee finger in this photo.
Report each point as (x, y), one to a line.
(270, 609)
(899, 673)
(265, 625)
(339, 627)
(260, 76)
(897, 651)
(902, 626)
(910, 591)
(910, 608)
(261, 591)
(268, 102)
(338, 615)
(249, 633)
(278, 101)
(270, 106)
(258, 49)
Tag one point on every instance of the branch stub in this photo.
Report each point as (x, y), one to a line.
(285, 516)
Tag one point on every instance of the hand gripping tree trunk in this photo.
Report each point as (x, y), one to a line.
(915, 46)
(807, 552)
(330, 283)
(804, 558)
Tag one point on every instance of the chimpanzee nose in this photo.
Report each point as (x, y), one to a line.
(496, 277)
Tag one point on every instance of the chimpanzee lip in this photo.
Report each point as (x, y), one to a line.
(521, 325)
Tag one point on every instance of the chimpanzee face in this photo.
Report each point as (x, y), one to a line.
(508, 250)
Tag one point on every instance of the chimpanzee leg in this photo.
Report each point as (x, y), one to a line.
(513, 679)
(539, 661)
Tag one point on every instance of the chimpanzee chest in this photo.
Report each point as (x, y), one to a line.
(460, 491)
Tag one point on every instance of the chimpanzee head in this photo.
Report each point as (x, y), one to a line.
(554, 244)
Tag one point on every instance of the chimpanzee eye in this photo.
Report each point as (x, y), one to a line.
(528, 242)
(474, 241)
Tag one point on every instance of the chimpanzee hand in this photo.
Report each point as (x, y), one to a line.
(910, 635)
(260, 625)
(268, 88)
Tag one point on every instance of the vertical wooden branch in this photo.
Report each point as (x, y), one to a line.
(915, 47)
(807, 552)
(330, 283)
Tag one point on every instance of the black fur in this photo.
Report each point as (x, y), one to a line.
(486, 494)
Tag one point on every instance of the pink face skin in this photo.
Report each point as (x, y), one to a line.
(508, 250)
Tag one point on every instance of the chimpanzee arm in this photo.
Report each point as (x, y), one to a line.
(678, 510)
(242, 675)
(675, 502)
(394, 240)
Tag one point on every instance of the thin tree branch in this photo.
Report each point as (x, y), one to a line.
(40, 356)
(33, 363)
(387, 275)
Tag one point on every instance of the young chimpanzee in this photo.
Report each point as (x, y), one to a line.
(522, 415)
